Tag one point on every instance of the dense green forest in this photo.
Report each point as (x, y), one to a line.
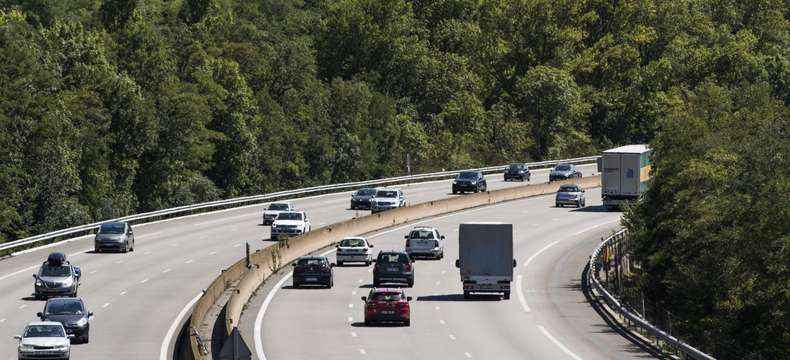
(113, 107)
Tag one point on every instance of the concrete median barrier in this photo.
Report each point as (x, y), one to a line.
(266, 261)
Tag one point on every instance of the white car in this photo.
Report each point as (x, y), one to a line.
(44, 340)
(274, 209)
(386, 199)
(354, 249)
(290, 223)
(425, 241)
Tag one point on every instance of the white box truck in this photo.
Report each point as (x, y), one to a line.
(485, 258)
(625, 172)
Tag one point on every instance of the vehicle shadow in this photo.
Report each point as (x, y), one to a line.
(351, 265)
(377, 324)
(305, 287)
(458, 297)
(29, 298)
(592, 209)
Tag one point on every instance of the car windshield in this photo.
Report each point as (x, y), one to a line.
(55, 271)
(366, 192)
(393, 258)
(516, 166)
(290, 216)
(421, 234)
(112, 228)
(569, 189)
(34, 331)
(387, 194)
(69, 307)
(352, 242)
(386, 296)
(310, 261)
(278, 206)
(563, 167)
(467, 175)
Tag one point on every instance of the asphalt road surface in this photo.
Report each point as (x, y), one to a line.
(547, 316)
(136, 297)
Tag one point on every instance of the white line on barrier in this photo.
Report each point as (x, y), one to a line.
(174, 326)
(558, 343)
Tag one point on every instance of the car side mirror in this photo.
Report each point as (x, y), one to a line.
(371, 245)
(331, 264)
(294, 264)
(372, 260)
(77, 271)
(40, 315)
(458, 263)
(408, 298)
(337, 246)
(18, 337)
(364, 298)
(514, 262)
(406, 237)
(71, 336)
(441, 237)
(90, 315)
(35, 276)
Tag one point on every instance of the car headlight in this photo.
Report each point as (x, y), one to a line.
(81, 322)
(39, 283)
(474, 182)
(455, 182)
(25, 347)
(62, 347)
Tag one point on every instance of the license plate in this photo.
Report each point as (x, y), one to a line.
(311, 279)
(392, 269)
(387, 312)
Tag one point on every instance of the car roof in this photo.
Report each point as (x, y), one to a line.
(37, 323)
(387, 289)
(629, 149)
(312, 257)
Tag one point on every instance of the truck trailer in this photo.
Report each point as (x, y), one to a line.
(486, 258)
(625, 172)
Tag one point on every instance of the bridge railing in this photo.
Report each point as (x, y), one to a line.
(610, 259)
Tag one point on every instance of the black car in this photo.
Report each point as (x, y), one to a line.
(518, 171)
(393, 267)
(564, 172)
(313, 270)
(360, 199)
(469, 181)
(70, 312)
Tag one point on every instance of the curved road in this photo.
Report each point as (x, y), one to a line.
(547, 316)
(136, 297)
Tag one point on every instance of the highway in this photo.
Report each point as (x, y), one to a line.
(547, 316)
(137, 296)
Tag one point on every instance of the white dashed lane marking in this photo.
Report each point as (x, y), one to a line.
(105, 305)
(188, 261)
(122, 293)
(143, 281)
(237, 245)
(362, 351)
(350, 319)
(354, 292)
(442, 322)
(353, 334)
(2, 320)
(212, 253)
(93, 272)
(165, 271)
(452, 337)
(22, 306)
(350, 306)
(468, 355)
(437, 308)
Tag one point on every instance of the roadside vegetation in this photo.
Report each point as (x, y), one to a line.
(113, 107)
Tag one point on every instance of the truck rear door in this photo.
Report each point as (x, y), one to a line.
(629, 176)
(611, 174)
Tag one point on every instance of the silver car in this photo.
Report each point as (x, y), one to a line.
(56, 277)
(116, 235)
(570, 195)
(425, 241)
(387, 199)
(354, 249)
(44, 340)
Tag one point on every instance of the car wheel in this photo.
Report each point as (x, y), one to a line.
(410, 283)
(330, 284)
(407, 323)
(466, 295)
(96, 250)
(125, 247)
(477, 190)
(132, 249)
(86, 339)
(295, 285)
(578, 204)
(507, 295)
(455, 192)
(367, 263)
(367, 322)
(557, 205)
(339, 263)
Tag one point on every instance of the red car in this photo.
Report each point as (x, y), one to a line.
(387, 305)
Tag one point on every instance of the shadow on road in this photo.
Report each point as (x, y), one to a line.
(458, 297)
(592, 209)
(377, 324)
(30, 298)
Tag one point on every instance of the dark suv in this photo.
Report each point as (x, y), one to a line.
(70, 312)
(469, 181)
(518, 171)
(393, 267)
(313, 270)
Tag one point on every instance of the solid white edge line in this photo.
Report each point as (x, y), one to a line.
(535, 255)
(520, 294)
(558, 343)
(174, 326)
(594, 226)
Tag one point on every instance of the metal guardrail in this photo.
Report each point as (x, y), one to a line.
(246, 200)
(615, 304)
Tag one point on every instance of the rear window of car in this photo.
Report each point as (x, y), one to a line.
(386, 296)
(310, 261)
(569, 189)
(393, 258)
(421, 234)
(352, 242)
(387, 194)
(289, 216)
(277, 206)
(112, 228)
